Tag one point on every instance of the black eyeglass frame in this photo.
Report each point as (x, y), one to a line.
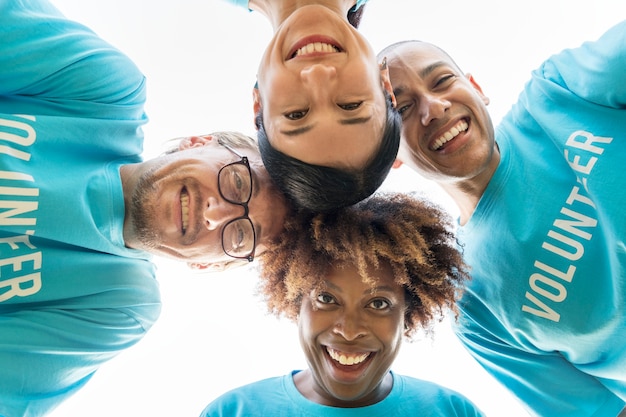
(244, 161)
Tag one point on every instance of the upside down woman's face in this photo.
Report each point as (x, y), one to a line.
(321, 90)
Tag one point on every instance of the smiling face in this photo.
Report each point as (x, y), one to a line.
(174, 208)
(447, 133)
(321, 90)
(351, 333)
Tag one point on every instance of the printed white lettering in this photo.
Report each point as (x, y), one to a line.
(587, 144)
(27, 139)
(15, 287)
(578, 249)
(17, 198)
(577, 229)
(544, 311)
(557, 297)
(13, 241)
(15, 208)
(565, 276)
(17, 261)
(575, 196)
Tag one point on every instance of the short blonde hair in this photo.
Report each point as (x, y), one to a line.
(230, 138)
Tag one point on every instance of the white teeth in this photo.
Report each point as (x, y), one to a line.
(316, 47)
(446, 137)
(346, 358)
(184, 206)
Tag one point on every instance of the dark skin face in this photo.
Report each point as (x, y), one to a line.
(351, 333)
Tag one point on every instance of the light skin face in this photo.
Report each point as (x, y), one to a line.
(157, 220)
(351, 333)
(447, 134)
(324, 106)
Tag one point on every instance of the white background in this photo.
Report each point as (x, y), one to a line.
(200, 57)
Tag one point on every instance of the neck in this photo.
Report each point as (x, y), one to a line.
(277, 11)
(128, 177)
(466, 193)
(306, 384)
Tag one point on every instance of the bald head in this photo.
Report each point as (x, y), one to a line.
(398, 49)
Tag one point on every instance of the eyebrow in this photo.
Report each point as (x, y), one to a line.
(423, 73)
(355, 120)
(430, 68)
(304, 129)
(298, 131)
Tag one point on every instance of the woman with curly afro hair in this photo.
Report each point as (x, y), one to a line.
(357, 281)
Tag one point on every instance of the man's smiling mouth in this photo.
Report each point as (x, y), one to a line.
(461, 126)
(184, 209)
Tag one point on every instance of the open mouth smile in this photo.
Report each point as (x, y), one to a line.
(347, 359)
(184, 209)
(461, 126)
(314, 46)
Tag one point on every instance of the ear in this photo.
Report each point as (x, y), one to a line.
(396, 164)
(256, 103)
(384, 79)
(477, 87)
(194, 142)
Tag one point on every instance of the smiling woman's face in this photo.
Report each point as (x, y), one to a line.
(321, 91)
(351, 333)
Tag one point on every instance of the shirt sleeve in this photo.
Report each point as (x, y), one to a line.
(48, 354)
(545, 382)
(52, 65)
(595, 71)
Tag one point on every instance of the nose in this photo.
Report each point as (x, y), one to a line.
(318, 76)
(219, 212)
(350, 326)
(432, 107)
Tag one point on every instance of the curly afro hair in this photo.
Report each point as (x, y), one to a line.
(413, 236)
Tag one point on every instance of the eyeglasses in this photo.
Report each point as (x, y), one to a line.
(234, 183)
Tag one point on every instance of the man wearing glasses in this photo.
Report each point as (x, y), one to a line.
(211, 203)
(80, 212)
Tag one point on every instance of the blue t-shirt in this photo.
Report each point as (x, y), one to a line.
(545, 312)
(279, 397)
(72, 296)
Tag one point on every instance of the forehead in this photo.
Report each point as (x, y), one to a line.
(347, 276)
(416, 56)
(220, 154)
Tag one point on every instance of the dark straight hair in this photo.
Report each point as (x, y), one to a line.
(321, 188)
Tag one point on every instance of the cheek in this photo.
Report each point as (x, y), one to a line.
(410, 136)
(362, 73)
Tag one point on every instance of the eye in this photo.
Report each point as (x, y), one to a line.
(443, 79)
(235, 183)
(350, 106)
(237, 236)
(379, 304)
(325, 298)
(296, 115)
(402, 109)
